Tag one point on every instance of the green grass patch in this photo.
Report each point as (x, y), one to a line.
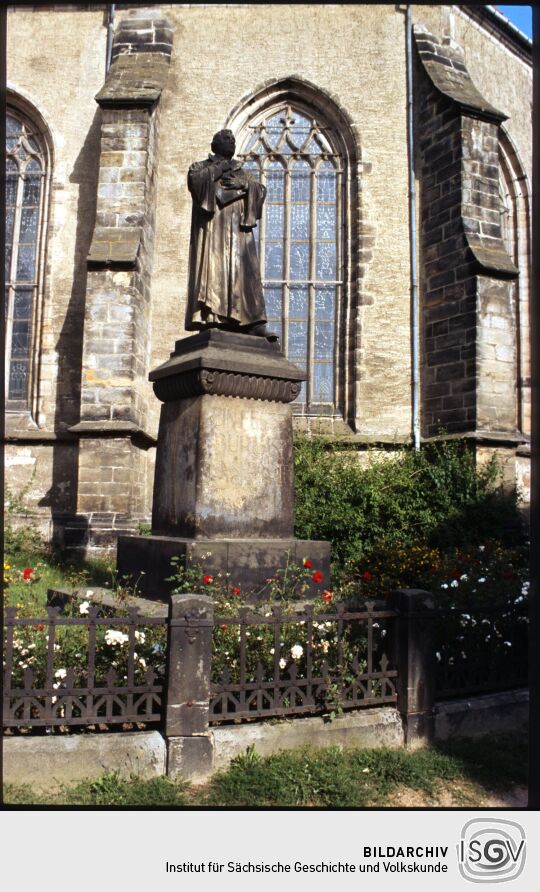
(48, 571)
(499, 762)
(334, 777)
(345, 778)
(108, 790)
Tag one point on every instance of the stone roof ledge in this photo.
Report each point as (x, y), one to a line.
(141, 56)
(445, 66)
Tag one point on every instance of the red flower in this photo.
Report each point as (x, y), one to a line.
(27, 573)
(317, 576)
(224, 627)
(327, 596)
(236, 591)
(208, 580)
(308, 563)
(367, 577)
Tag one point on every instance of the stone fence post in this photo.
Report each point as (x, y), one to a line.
(415, 660)
(189, 662)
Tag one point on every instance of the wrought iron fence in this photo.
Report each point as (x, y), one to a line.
(84, 670)
(339, 662)
(481, 650)
(93, 692)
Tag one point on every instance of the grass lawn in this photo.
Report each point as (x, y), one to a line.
(48, 572)
(464, 772)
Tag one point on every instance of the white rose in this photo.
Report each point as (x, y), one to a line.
(113, 637)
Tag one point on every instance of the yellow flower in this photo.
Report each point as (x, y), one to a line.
(6, 566)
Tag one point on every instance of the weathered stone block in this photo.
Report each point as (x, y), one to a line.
(44, 761)
(230, 458)
(146, 560)
(190, 758)
(415, 656)
(208, 443)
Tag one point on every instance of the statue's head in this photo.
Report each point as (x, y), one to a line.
(223, 143)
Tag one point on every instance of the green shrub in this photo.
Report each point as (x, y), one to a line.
(435, 495)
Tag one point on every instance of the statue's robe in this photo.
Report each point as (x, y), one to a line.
(224, 275)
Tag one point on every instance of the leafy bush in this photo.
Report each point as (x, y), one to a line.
(435, 496)
(20, 537)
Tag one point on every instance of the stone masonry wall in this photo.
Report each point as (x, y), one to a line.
(503, 75)
(496, 356)
(469, 320)
(448, 286)
(115, 390)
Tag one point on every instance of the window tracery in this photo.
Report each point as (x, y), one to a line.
(26, 169)
(292, 152)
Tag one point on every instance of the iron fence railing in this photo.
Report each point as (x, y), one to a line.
(93, 692)
(72, 671)
(341, 663)
(480, 649)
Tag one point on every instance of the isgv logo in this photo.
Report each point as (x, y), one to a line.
(491, 850)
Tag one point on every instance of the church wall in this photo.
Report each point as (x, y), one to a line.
(505, 80)
(221, 55)
(206, 83)
(56, 62)
(501, 76)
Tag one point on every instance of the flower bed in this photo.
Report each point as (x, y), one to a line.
(480, 636)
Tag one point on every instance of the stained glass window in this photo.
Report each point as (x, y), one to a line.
(25, 172)
(294, 154)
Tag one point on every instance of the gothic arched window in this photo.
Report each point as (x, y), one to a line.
(507, 211)
(26, 172)
(515, 218)
(291, 151)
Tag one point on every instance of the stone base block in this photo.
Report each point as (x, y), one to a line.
(506, 712)
(93, 534)
(379, 726)
(146, 561)
(224, 459)
(419, 729)
(191, 758)
(45, 761)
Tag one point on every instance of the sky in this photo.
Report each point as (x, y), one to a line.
(520, 16)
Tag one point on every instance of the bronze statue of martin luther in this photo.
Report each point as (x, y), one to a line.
(224, 288)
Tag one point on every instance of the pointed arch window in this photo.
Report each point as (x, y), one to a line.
(506, 208)
(26, 173)
(293, 152)
(515, 220)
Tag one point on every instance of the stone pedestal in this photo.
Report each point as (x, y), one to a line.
(224, 466)
(146, 561)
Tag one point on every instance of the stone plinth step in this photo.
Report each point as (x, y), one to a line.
(146, 562)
